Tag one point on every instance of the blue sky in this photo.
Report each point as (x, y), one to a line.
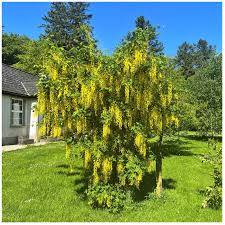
(178, 22)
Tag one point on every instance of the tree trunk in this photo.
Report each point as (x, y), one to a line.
(159, 168)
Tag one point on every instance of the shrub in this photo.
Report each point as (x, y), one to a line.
(214, 193)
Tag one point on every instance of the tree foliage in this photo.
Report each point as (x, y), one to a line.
(13, 45)
(213, 194)
(63, 23)
(200, 103)
(154, 45)
(112, 106)
(191, 57)
(32, 59)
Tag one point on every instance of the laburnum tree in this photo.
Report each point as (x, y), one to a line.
(113, 108)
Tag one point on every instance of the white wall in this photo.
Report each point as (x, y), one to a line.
(10, 133)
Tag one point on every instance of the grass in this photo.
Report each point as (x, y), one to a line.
(38, 187)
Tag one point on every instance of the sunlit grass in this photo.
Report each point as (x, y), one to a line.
(38, 187)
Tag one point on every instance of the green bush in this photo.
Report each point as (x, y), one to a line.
(214, 193)
(106, 196)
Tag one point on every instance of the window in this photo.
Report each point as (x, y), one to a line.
(17, 112)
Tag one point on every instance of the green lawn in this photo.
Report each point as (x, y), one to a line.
(37, 187)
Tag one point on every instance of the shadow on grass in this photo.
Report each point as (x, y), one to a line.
(202, 137)
(66, 171)
(201, 192)
(81, 185)
(66, 166)
(176, 147)
(148, 186)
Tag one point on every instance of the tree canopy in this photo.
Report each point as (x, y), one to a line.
(154, 45)
(113, 106)
(191, 57)
(13, 45)
(64, 21)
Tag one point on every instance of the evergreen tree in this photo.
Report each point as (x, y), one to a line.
(64, 21)
(154, 45)
(185, 59)
(191, 57)
(204, 52)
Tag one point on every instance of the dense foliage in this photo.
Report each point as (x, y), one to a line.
(13, 45)
(214, 193)
(114, 107)
(154, 45)
(200, 102)
(191, 57)
(63, 23)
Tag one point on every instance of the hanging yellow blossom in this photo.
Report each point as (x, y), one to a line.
(106, 131)
(87, 158)
(68, 151)
(106, 169)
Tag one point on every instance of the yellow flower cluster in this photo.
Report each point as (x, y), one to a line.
(41, 102)
(127, 93)
(139, 57)
(153, 71)
(106, 131)
(138, 99)
(155, 120)
(87, 158)
(120, 168)
(108, 201)
(117, 87)
(174, 120)
(170, 92)
(66, 91)
(56, 131)
(86, 95)
(163, 99)
(68, 151)
(129, 118)
(140, 143)
(117, 114)
(95, 171)
(69, 123)
(147, 98)
(127, 66)
(42, 130)
(139, 179)
(106, 169)
(81, 125)
(54, 74)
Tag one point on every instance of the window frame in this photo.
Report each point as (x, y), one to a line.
(17, 111)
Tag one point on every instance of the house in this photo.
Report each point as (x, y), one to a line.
(19, 97)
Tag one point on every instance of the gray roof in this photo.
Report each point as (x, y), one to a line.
(17, 82)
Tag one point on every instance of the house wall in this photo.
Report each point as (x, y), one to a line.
(10, 133)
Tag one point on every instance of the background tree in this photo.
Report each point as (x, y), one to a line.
(154, 45)
(63, 23)
(200, 98)
(13, 45)
(191, 57)
(204, 53)
(205, 89)
(31, 60)
(185, 59)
